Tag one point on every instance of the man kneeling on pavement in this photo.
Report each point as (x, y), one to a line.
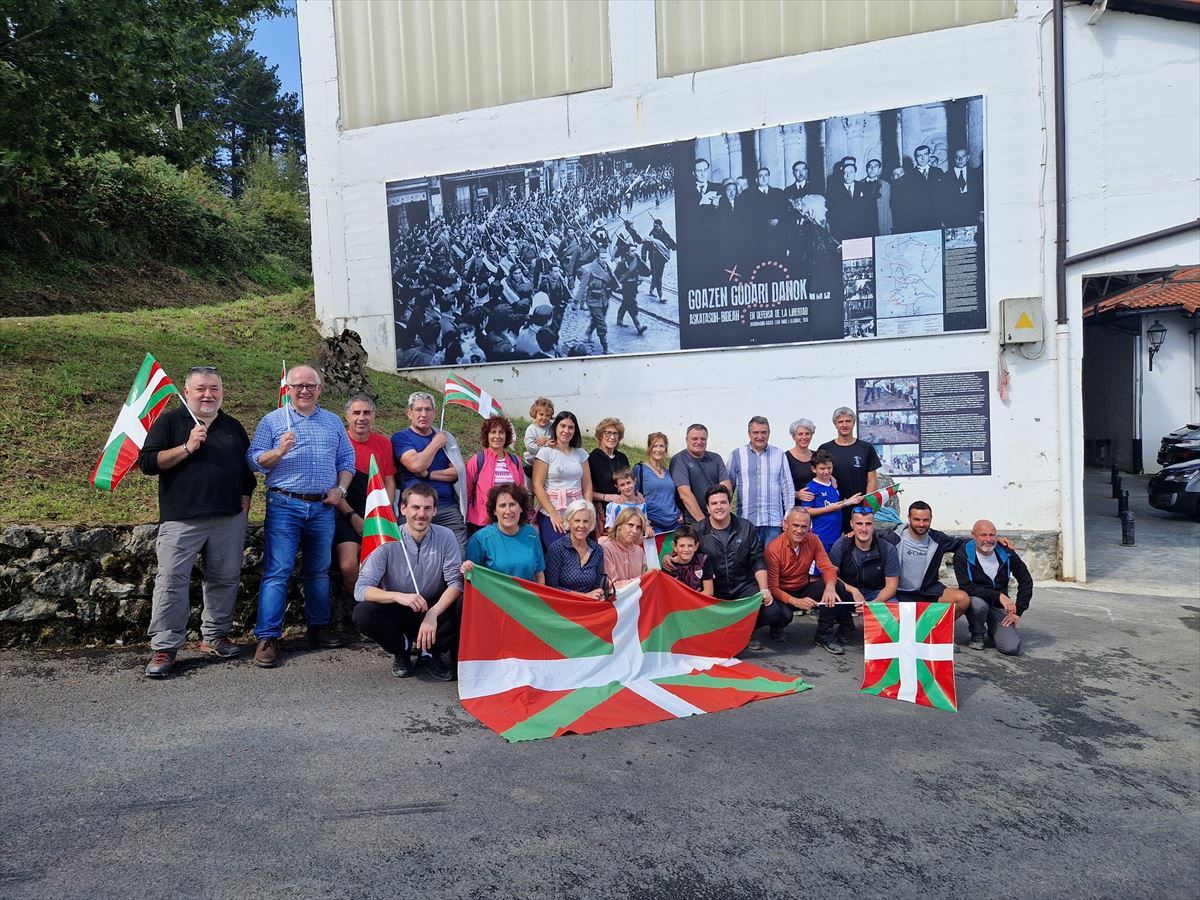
(983, 570)
(790, 559)
(408, 590)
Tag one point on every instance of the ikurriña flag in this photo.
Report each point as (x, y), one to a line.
(536, 662)
(283, 394)
(657, 548)
(150, 392)
(461, 392)
(908, 650)
(879, 498)
(379, 521)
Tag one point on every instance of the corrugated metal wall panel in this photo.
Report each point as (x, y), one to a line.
(694, 35)
(408, 59)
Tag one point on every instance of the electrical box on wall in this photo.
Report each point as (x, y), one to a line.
(1021, 319)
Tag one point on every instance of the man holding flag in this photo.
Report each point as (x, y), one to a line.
(204, 488)
(351, 511)
(309, 462)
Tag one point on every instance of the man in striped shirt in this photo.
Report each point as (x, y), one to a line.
(762, 480)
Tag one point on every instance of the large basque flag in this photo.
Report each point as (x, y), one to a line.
(536, 662)
(379, 522)
(150, 392)
(461, 392)
(909, 652)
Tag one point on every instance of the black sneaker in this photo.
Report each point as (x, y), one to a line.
(847, 634)
(434, 666)
(829, 645)
(776, 634)
(402, 666)
(976, 642)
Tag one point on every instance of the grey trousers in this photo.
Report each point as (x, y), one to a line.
(221, 539)
(983, 618)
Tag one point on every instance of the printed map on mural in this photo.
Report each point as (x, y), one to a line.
(909, 274)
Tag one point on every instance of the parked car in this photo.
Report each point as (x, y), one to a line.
(1177, 489)
(1181, 445)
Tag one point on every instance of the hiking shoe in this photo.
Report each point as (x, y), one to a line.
(976, 642)
(220, 646)
(847, 634)
(434, 666)
(323, 637)
(402, 666)
(776, 634)
(161, 665)
(754, 645)
(829, 645)
(266, 654)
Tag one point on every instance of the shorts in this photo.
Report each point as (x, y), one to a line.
(932, 595)
(343, 531)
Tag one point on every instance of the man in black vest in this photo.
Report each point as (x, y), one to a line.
(869, 567)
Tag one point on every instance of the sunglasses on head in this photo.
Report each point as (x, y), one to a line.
(208, 370)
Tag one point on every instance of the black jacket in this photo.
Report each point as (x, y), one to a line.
(735, 560)
(975, 581)
(942, 544)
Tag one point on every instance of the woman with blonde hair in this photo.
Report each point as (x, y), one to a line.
(624, 553)
(653, 481)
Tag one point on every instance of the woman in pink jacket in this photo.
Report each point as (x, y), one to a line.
(494, 464)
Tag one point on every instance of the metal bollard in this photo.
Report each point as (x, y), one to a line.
(1127, 539)
(1116, 474)
(1123, 503)
(1117, 487)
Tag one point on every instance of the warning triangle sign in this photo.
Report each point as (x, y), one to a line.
(1024, 321)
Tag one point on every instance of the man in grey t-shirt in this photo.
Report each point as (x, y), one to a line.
(921, 549)
(694, 470)
(407, 590)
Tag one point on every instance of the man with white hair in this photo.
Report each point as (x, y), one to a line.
(984, 569)
(309, 462)
(854, 461)
(428, 455)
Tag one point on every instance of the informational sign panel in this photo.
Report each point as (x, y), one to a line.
(927, 424)
(861, 226)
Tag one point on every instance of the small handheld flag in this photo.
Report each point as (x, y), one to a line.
(658, 547)
(379, 522)
(150, 392)
(283, 394)
(908, 652)
(461, 392)
(880, 497)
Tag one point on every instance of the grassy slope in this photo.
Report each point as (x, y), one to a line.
(64, 378)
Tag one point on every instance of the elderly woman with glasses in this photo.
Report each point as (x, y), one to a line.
(605, 461)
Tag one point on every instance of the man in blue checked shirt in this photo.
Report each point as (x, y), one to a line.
(762, 481)
(309, 462)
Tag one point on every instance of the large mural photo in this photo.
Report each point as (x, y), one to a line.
(847, 228)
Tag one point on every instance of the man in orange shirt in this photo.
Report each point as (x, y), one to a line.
(790, 559)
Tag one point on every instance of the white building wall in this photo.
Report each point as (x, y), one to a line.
(1169, 393)
(1121, 194)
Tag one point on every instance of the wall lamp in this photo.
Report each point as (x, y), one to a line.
(1156, 334)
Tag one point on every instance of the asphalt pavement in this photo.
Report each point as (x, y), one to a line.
(1072, 771)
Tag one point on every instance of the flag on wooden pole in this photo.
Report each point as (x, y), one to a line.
(150, 392)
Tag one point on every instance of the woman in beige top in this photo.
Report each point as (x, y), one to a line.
(624, 553)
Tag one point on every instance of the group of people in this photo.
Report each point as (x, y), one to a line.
(789, 524)
(736, 225)
(495, 285)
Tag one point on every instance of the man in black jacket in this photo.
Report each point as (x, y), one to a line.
(921, 549)
(204, 489)
(984, 570)
(736, 554)
(867, 565)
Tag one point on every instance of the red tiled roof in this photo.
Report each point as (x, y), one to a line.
(1179, 289)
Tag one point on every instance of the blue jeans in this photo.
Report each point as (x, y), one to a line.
(294, 525)
(767, 533)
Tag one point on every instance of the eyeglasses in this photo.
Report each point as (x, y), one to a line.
(615, 434)
(300, 388)
(207, 370)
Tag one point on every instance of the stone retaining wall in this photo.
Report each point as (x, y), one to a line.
(88, 585)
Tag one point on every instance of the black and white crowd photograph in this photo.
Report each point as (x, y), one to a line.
(568, 257)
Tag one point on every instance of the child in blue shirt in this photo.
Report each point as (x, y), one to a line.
(826, 505)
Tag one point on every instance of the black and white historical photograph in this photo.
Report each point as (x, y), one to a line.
(854, 227)
(568, 257)
(900, 459)
(896, 427)
(769, 219)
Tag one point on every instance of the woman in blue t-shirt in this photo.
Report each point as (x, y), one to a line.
(653, 481)
(508, 545)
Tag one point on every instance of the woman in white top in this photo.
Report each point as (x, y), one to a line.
(560, 476)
